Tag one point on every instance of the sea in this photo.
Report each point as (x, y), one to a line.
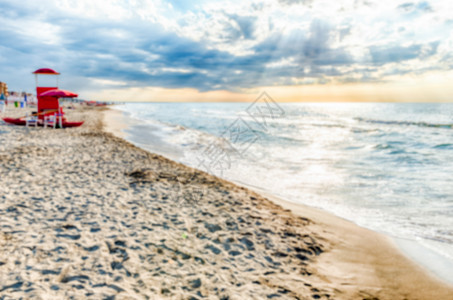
(387, 167)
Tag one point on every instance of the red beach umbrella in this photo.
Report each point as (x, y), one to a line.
(58, 94)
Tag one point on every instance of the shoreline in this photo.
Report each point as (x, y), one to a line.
(377, 259)
(381, 261)
(86, 214)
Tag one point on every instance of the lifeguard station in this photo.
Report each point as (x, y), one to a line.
(46, 105)
(49, 110)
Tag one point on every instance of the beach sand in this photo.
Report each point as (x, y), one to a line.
(87, 215)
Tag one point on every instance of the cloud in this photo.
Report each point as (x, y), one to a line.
(395, 53)
(411, 7)
(406, 7)
(318, 39)
(291, 2)
(246, 25)
(227, 46)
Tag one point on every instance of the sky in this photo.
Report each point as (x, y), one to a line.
(175, 50)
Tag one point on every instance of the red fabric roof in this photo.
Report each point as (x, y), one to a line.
(46, 71)
(58, 94)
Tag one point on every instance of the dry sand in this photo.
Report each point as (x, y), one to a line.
(85, 214)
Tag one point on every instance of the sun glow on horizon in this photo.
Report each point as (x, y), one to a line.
(429, 88)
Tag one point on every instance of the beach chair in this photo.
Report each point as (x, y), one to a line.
(50, 120)
(31, 120)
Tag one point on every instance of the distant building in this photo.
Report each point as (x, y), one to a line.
(3, 89)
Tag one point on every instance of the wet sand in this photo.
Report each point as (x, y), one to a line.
(363, 261)
(85, 214)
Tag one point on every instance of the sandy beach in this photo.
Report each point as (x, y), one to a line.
(86, 215)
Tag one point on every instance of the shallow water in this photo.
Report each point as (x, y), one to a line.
(387, 167)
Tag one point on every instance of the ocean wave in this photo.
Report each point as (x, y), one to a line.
(444, 146)
(405, 123)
